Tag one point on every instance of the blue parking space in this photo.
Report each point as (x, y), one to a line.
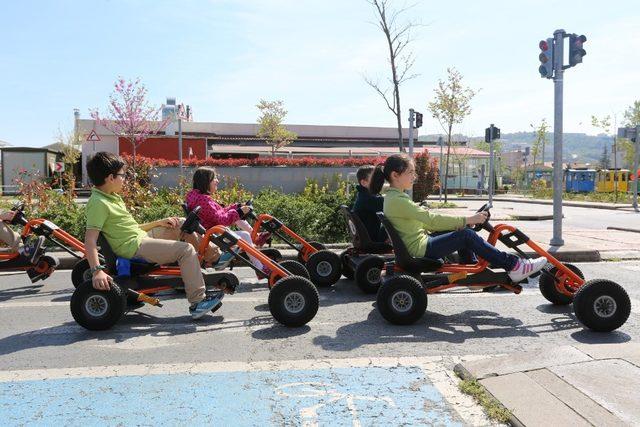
(336, 397)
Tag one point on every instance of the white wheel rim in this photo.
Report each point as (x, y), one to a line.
(294, 302)
(605, 306)
(402, 301)
(96, 305)
(373, 275)
(324, 269)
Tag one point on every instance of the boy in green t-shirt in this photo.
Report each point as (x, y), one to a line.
(157, 242)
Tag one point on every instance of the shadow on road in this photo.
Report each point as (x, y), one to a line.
(433, 327)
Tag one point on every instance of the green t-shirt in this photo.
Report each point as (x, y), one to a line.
(108, 213)
(412, 222)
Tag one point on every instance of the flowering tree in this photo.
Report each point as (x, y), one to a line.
(130, 114)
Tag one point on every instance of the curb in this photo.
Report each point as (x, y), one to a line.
(462, 372)
(545, 202)
(631, 230)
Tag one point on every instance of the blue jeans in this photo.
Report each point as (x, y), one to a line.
(468, 240)
(465, 255)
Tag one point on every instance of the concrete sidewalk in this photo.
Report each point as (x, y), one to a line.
(577, 385)
(517, 198)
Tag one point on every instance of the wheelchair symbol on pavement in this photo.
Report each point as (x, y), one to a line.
(328, 396)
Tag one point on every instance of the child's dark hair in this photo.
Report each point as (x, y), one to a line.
(364, 172)
(103, 164)
(395, 163)
(202, 178)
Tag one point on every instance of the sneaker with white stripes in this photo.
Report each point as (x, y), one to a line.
(525, 268)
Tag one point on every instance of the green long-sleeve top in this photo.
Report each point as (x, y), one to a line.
(413, 221)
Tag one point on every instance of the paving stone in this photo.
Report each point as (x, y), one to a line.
(610, 351)
(530, 403)
(573, 398)
(613, 384)
(524, 361)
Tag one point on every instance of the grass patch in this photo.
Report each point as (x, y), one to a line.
(491, 406)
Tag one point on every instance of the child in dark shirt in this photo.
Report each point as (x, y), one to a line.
(367, 204)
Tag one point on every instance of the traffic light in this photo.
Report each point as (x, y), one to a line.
(576, 52)
(418, 120)
(546, 58)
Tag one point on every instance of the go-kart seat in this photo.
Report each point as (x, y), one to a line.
(122, 266)
(403, 259)
(360, 236)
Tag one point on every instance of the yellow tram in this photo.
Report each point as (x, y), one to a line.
(606, 179)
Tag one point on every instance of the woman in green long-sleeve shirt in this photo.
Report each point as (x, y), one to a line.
(414, 222)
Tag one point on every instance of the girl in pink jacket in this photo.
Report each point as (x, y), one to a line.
(205, 183)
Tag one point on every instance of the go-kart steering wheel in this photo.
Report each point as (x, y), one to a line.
(18, 218)
(249, 214)
(192, 222)
(485, 208)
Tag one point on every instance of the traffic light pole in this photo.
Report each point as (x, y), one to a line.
(491, 165)
(558, 55)
(411, 120)
(635, 169)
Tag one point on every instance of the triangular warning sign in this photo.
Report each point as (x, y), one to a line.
(93, 136)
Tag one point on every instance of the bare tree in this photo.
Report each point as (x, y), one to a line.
(398, 36)
(272, 113)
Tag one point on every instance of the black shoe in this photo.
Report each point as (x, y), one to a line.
(34, 275)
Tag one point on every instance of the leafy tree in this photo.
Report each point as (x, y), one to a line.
(398, 37)
(451, 105)
(426, 176)
(130, 115)
(605, 159)
(632, 119)
(539, 145)
(272, 113)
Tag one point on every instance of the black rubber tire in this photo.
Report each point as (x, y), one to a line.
(114, 300)
(601, 293)
(272, 253)
(548, 286)
(299, 289)
(391, 288)
(347, 270)
(319, 246)
(229, 281)
(365, 272)
(79, 269)
(325, 268)
(295, 268)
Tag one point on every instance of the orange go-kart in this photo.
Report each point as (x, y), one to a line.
(46, 265)
(599, 304)
(293, 300)
(324, 266)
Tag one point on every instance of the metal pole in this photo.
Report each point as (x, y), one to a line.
(558, 58)
(440, 142)
(635, 169)
(491, 164)
(180, 144)
(411, 119)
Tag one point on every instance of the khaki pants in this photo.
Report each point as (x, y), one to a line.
(163, 246)
(10, 237)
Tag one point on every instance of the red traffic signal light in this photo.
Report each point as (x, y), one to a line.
(576, 52)
(544, 46)
(546, 58)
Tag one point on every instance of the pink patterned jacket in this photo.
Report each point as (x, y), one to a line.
(211, 213)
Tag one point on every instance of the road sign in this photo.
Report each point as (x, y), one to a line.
(627, 133)
(57, 167)
(93, 136)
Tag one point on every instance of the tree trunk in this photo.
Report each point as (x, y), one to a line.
(446, 168)
(133, 144)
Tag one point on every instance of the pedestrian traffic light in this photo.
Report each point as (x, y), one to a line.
(576, 52)
(418, 120)
(546, 58)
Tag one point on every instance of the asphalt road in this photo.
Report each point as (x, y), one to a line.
(37, 333)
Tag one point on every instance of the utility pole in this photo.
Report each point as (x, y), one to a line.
(490, 134)
(180, 146)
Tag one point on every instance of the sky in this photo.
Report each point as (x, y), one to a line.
(222, 56)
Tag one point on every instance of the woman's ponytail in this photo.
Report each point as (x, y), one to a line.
(377, 179)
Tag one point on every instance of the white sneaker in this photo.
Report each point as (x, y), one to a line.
(526, 267)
